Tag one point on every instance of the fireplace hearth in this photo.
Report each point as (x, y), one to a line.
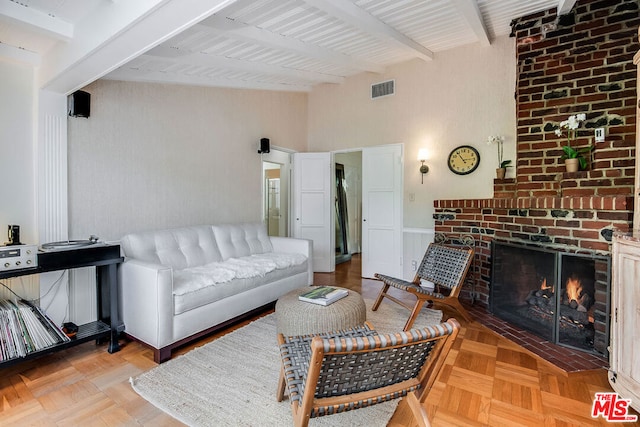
(561, 297)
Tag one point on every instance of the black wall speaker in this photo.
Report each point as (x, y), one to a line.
(264, 145)
(79, 104)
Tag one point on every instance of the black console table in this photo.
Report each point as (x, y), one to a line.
(106, 259)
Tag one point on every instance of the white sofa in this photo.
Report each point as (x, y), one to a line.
(179, 284)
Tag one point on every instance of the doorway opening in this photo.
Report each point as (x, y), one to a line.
(276, 167)
(273, 201)
(348, 204)
(342, 213)
(377, 218)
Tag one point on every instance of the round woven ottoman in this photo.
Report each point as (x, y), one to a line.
(295, 317)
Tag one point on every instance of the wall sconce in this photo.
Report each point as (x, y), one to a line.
(422, 157)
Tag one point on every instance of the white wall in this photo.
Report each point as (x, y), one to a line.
(17, 139)
(17, 170)
(154, 156)
(461, 97)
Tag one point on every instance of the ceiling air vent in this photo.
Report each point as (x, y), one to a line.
(383, 89)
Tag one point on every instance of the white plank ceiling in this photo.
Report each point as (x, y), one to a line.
(288, 45)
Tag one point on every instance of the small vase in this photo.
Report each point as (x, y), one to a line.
(572, 165)
(500, 172)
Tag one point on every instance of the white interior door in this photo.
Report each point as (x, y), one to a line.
(382, 171)
(313, 206)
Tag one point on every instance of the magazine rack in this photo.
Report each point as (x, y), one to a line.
(108, 325)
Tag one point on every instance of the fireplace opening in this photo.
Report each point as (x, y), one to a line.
(561, 297)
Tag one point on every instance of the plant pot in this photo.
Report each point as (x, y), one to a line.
(572, 165)
(500, 173)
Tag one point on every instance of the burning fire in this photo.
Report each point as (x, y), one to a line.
(544, 286)
(574, 289)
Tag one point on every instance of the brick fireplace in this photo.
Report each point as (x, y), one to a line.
(584, 65)
(560, 296)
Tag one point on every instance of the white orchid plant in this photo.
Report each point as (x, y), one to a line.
(499, 141)
(570, 126)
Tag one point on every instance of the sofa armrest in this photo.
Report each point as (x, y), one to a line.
(146, 292)
(301, 246)
(290, 244)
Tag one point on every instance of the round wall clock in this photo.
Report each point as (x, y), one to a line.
(463, 160)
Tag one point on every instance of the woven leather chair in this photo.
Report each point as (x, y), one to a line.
(345, 370)
(446, 267)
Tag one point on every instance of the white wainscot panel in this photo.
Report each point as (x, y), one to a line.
(415, 245)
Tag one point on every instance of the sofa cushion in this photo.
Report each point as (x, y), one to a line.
(195, 287)
(239, 240)
(178, 248)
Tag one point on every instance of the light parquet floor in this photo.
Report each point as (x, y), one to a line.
(487, 381)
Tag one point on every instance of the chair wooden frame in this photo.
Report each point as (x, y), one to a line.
(446, 267)
(317, 370)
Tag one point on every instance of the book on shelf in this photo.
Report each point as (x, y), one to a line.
(323, 295)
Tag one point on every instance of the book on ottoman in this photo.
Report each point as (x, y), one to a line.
(323, 295)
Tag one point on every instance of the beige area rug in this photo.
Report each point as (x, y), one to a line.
(232, 381)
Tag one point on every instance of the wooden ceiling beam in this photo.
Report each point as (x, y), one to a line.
(150, 76)
(565, 6)
(162, 53)
(241, 31)
(471, 12)
(36, 21)
(350, 13)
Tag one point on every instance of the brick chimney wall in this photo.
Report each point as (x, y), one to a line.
(584, 65)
